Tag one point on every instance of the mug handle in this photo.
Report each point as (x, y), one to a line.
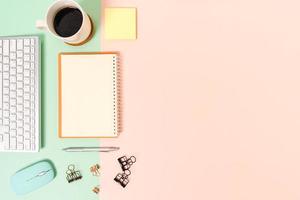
(40, 24)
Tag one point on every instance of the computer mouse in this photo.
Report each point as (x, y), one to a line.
(32, 177)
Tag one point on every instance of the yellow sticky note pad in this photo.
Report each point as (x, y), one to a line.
(120, 23)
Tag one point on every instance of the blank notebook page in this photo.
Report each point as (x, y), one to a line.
(88, 106)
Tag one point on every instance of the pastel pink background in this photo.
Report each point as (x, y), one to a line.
(211, 101)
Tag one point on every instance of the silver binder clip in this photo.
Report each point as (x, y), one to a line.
(73, 175)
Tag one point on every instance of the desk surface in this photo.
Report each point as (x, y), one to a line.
(211, 101)
(18, 18)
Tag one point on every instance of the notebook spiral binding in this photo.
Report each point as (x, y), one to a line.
(116, 93)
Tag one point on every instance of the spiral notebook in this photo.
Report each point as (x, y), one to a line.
(88, 95)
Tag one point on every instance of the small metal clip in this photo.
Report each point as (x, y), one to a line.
(95, 169)
(96, 189)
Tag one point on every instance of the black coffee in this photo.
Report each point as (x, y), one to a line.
(67, 22)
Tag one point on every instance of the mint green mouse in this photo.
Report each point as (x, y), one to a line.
(32, 177)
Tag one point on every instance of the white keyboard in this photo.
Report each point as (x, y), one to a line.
(19, 94)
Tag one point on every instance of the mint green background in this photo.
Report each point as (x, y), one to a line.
(17, 17)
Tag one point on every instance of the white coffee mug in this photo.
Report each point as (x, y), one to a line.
(82, 34)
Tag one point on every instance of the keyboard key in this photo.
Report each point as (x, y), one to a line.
(19, 84)
(19, 54)
(26, 134)
(13, 85)
(6, 83)
(26, 58)
(19, 61)
(20, 92)
(20, 146)
(13, 102)
(27, 144)
(6, 139)
(26, 104)
(26, 65)
(26, 127)
(5, 75)
(5, 91)
(26, 88)
(13, 64)
(27, 119)
(13, 117)
(13, 71)
(13, 80)
(6, 129)
(20, 130)
(13, 45)
(5, 60)
(5, 47)
(13, 125)
(5, 98)
(32, 42)
(20, 117)
(13, 143)
(5, 68)
(26, 50)
(32, 143)
(20, 77)
(26, 96)
(13, 109)
(5, 113)
(19, 100)
(13, 94)
(19, 108)
(6, 106)
(19, 44)
(26, 72)
(26, 81)
(20, 138)
(26, 42)
(13, 132)
(12, 105)
(26, 111)
(13, 56)
(6, 121)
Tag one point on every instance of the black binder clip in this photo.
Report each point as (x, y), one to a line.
(126, 163)
(73, 175)
(122, 178)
